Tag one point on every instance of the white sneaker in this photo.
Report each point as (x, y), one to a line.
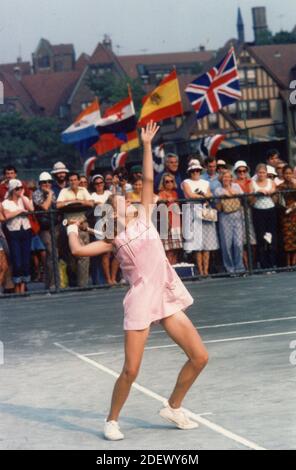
(178, 417)
(112, 431)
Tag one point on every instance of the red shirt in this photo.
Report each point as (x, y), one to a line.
(246, 185)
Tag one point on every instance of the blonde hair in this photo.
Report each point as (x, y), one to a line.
(223, 174)
(161, 184)
(261, 166)
(111, 214)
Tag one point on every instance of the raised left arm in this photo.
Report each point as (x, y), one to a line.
(147, 192)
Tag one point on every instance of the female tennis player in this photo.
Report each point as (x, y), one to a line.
(156, 295)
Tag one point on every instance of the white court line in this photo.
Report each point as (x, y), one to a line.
(209, 424)
(225, 340)
(221, 325)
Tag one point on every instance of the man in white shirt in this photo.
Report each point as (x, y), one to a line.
(74, 201)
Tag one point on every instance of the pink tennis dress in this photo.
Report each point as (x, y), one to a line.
(156, 290)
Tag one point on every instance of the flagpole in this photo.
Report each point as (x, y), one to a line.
(130, 94)
(182, 115)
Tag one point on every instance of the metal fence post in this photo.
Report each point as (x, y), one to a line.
(54, 252)
(247, 231)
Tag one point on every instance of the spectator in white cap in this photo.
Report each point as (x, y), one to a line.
(200, 235)
(74, 202)
(271, 172)
(60, 173)
(242, 176)
(44, 200)
(221, 166)
(16, 207)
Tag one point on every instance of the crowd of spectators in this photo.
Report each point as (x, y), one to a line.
(217, 215)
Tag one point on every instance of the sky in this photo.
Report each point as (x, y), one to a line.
(135, 26)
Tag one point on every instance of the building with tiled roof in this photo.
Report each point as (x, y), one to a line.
(51, 90)
(16, 97)
(53, 58)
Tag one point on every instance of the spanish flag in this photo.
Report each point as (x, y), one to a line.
(163, 102)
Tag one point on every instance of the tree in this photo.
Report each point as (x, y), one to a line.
(264, 37)
(34, 142)
(111, 88)
(284, 37)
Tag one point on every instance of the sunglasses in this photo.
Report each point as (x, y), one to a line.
(20, 187)
(168, 181)
(195, 171)
(242, 171)
(46, 182)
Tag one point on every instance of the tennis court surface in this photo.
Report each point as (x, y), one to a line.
(63, 352)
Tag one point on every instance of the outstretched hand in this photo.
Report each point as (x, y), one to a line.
(148, 133)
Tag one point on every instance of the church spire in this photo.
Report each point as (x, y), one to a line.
(240, 26)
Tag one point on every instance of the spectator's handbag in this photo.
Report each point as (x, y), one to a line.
(209, 214)
(230, 205)
(35, 226)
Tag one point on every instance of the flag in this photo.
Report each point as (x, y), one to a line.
(84, 126)
(119, 119)
(158, 158)
(89, 166)
(131, 143)
(106, 143)
(118, 159)
(163, 102)
(208, 146)
(215, 89)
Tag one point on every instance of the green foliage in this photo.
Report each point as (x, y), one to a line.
(284, 37)
(111, 89)
(34, 142)
(264, 37)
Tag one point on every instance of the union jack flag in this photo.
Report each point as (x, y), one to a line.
(215, 89)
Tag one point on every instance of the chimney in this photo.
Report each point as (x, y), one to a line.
(259, 22)
(107, 42)
(17, 73)
(202, 48)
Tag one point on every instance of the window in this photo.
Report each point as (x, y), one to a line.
(242, 77)
(213, 121)
(251, 77)
(59, 66)
(245, 59)
(43, 62)
(64, 111)
(253, 109)
(264, 109)
(232, 109)
(85, 105)
(242, 110)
